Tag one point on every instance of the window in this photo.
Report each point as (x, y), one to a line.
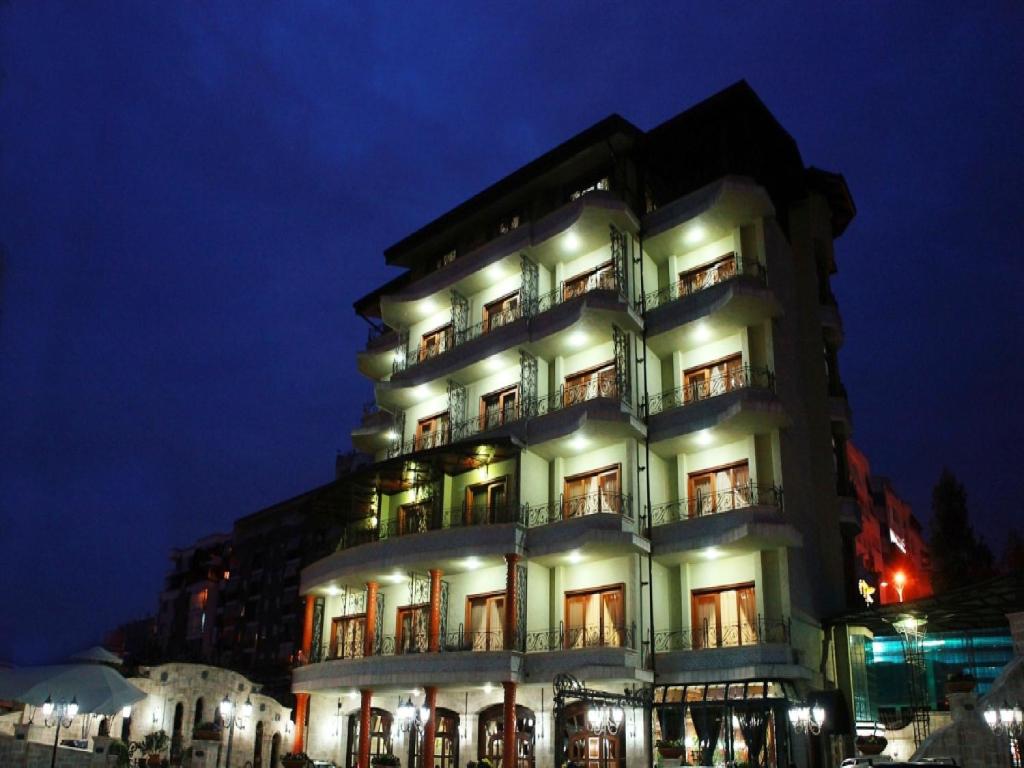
(380, 736)
(509, 223)
(411, 629)
(499, 408)
(711, 379)
(594, 617)
(720, 489)
(724, 616)
(600, 184)
(435, 342)
(485, 502)
(602, 276)
(586, 385)
(347, 633)
(501, 312)
(431, 431)
(197, 613)
(447, 259)
(589, 749)
(446, 741)
(707, 275)
(414, 518)
(592, 492)
(491, 727)
(485, 621)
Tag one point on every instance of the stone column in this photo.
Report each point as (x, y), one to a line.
(430, 728)
(302, 699)
(508, 743)
(511, 601)
(434, 628)
(364, 728)
(370, 632)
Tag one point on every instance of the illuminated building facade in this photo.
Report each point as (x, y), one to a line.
(605, 445)
(892, 556)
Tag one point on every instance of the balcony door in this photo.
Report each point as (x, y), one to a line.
(446, 741)
(707, 275)
(411, 628)
(499, 407)
(602, 276)
(347, 633)
(724, 616)
(414, 518)
(711, 379)
(719, 489)
(486, 502)
(380, 736)
(591, 749)
(501, 312)
(485, 621)
(599, 381)
(595, 617)
(435, 342)
(592, 492)
(432, 431)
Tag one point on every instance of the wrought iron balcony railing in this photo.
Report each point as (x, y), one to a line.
(569, 507)
(701, 505)
(708, 277)
(758, 631)
(428, 518)
(564, 637)
(743, 377)
(458, 641)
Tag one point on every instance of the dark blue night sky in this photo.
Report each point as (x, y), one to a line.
(192, 194)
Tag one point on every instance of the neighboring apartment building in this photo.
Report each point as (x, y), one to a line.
(188, 626)
(606, 445)
(892, 556)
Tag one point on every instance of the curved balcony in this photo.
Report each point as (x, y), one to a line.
(758, 649)
(376, 360)
(725, 296)
(371, 435)
(591, 526)
(745, 518)
(590, 652)
(734, 403)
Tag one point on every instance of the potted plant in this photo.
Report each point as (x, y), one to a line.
(671, 749)
(152, 746)
(206, 732)
(386, 761)
(122, 752)
(295, 760)
(872, 744)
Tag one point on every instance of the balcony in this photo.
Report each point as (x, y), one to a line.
(744, 518)
(572, 507)
(735, 403)
(461, 517)
(758, 649)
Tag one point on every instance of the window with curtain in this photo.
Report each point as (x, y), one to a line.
(490, 735)
(712, 379)
(501, 312)
(595, 617)
(602, 276)
(380, 736)
(413, 518)
(498, 408)
(485, 501)
(411, 628)
(598, 381)
(435, 342)
(724, 616)
(432, 431)
(707, 275)
(347, 633)
(592, 492)
(720, 489)
(485, 619)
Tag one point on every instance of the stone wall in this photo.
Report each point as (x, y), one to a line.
(17, 753)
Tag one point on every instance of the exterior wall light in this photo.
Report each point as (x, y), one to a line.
(806, 719)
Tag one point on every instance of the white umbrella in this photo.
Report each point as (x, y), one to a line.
(97, 688)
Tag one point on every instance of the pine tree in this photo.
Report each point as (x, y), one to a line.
(958, 557)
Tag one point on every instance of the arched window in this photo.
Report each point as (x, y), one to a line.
(491, 735)
(197, 718)
(176, 735)
(275, 750)
(446, 741)
(589, 749)
(380, 735)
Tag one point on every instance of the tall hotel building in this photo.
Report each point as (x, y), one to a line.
(609, 441)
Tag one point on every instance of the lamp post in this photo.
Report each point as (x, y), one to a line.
(227, 713)
(1007, 721)
(59, 714)
(412, 719)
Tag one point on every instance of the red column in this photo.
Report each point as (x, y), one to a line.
(508, 743)
(370, 632)
(364, 729)
(511, 601)
(301, 705)
(430, 729)
(302, 699)
(434, 636)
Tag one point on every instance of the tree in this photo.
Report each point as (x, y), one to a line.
(1013, 553)
(958, 557)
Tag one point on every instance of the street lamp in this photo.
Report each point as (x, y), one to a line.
(899, 580)
(227, 709)
(806, 719)
(59, 714)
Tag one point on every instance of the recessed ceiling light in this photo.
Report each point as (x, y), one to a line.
(391, 435)
(579, 442)
(704, 437)
(421, 391)
(571, 241)
(471, 562)
(574, 557)
(488, 687)
(396, 578)
(701, 332)
(694, 234)
(577, 339)
(496, 271)
(494, 363)
(333, 590)
(712, 553)
(428, 307)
